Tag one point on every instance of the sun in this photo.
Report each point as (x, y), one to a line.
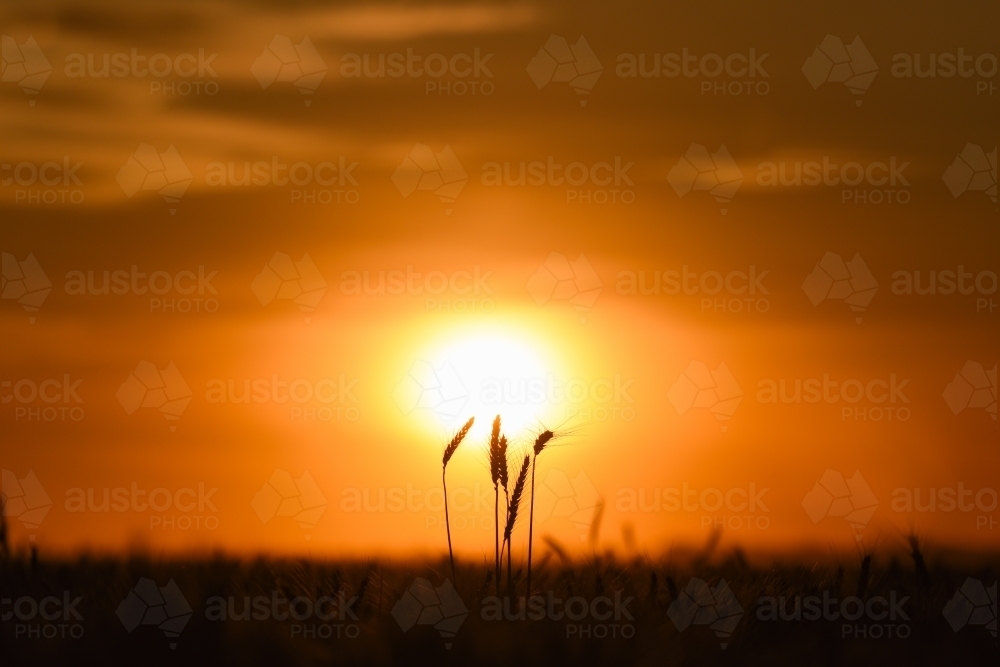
(502, 374)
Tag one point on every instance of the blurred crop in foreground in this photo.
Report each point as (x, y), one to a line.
(692, 608)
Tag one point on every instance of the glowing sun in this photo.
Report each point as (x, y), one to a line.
(501, 374)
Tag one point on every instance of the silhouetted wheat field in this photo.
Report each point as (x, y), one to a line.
(370, 631)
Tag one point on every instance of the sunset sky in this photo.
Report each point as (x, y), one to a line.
(607, 301)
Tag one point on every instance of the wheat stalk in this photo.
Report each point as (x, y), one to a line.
(497, 462)
(449, 451)
(512, 511)
(515, 498)
(506, 492)
(540, 442)
(495, 451)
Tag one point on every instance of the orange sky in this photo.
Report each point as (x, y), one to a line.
(630, 362)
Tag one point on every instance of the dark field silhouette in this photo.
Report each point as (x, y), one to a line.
(693, 610)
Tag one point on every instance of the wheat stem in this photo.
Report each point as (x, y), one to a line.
(540, 443)
(449, 451)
